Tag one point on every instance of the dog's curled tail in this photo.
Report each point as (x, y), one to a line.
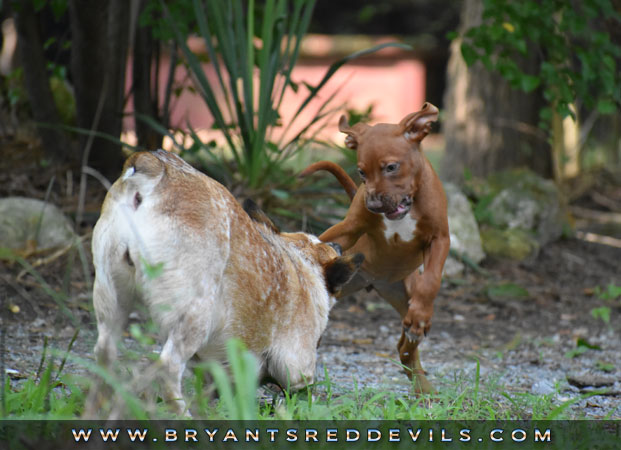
(336, 170)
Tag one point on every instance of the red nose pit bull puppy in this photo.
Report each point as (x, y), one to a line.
(398, 221)
(224, 273)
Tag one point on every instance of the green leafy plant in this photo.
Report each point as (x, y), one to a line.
(252, 56)
(603, 313)
(49, 393)
(355, 116)
(152, 270)
(577, 58)
(610, 292)
(582, 346)
(236, 388)
(604, 366)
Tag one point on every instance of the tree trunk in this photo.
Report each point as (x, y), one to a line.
(98, 61)
(489, 126)
(44, 111)
(145, 86)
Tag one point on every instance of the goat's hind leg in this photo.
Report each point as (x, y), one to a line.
(184, 340)
(112, 303)
(292, 363)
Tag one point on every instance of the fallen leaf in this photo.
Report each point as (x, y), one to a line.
(588, 291)
(15, 374)
(582, 342)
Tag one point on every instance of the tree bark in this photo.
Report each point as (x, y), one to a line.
(145, 86)
(44, 110)
(489, 126)
(100, 33)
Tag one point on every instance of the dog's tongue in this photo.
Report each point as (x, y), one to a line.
(396, 213)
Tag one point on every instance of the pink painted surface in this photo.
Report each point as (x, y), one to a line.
(394, 83)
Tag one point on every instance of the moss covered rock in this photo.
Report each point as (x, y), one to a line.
(517, 205)
(527, 201)
(516, 244)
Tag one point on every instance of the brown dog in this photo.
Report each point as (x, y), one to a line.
(398, 220)
(223, 273)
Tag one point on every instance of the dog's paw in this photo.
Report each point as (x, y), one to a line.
(412, 336)
(417, 323)
(416, 334)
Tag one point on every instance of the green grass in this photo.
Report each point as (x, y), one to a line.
(50, 394)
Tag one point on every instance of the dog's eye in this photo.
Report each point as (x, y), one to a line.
(391, 168)
(362, 174)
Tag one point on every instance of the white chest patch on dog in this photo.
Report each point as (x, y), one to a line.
(404, 228)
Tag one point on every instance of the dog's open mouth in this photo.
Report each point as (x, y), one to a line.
(401, 210)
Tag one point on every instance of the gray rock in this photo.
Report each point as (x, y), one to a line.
(465, 238)
(543, 387)
(584, 380)
(26, 219)
(528, 202)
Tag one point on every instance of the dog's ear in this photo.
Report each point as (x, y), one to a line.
(257, 214)
(340, 270)
(353, 133)
(417, 125)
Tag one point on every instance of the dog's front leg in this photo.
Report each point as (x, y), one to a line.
(423, 288)
(345, 233)
(357, 221)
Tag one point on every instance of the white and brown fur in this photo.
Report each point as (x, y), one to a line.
(226, 273)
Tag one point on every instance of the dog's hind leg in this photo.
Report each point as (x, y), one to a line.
(410, 358)
(409, 355)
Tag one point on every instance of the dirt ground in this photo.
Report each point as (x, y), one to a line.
(520, 341)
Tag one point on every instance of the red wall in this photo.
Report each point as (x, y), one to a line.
(392, 81)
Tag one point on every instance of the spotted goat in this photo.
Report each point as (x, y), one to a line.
(223, 273)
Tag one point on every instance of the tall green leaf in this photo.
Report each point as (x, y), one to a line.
(253, 56)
